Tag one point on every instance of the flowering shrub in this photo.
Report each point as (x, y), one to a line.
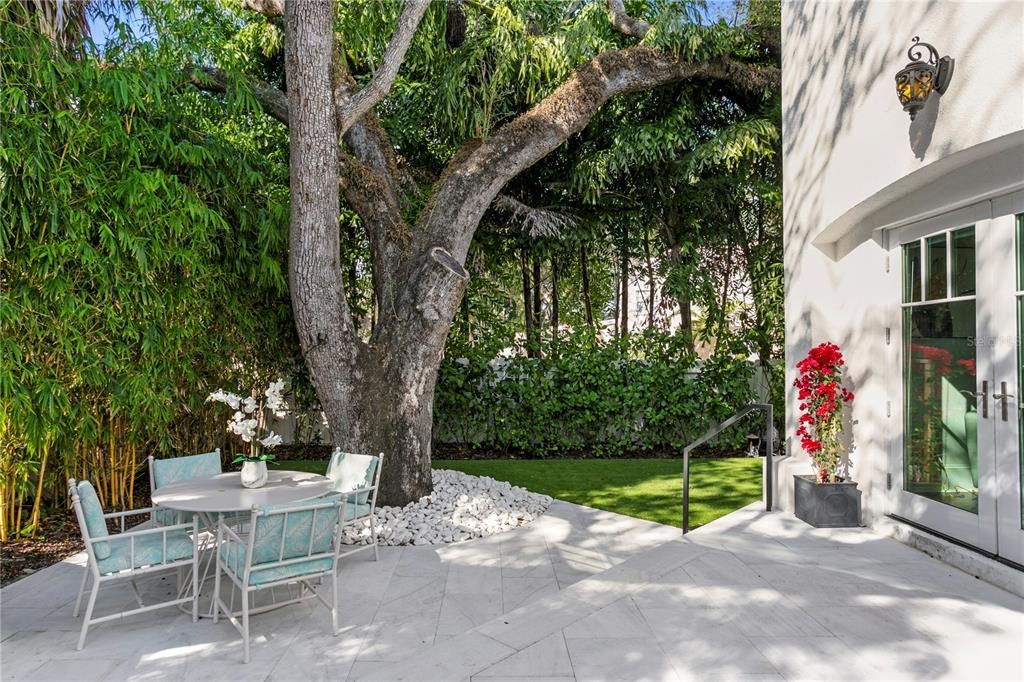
(821, 403)
(248, 418)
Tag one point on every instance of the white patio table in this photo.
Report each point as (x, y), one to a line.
(211, 496)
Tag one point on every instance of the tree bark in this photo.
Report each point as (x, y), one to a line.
(650, 281)
(538, 319)
(554, 298)
(585, 277)
(524, 267)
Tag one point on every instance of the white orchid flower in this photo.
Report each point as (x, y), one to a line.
(270, 440)
(249, 405)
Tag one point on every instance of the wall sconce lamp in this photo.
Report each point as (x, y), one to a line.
(917, 80)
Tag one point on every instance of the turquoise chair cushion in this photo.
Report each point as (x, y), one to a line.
(303, 534)
(351, 471)
(233, 556)
(95, 524)
(266, 536)
(174, 469)
(149, 551)
(169, 517)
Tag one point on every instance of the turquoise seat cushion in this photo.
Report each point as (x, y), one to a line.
(351, 471)
(233, 556)
(170, 517)
(95, 524)
(278, 536)
(355, 511)
(174, 469)
(149, 551)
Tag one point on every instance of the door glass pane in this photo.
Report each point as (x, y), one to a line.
(963, 262)
(1020, 358)
(1020, 382)
(912, 272)
(936, 276)
(940, 455)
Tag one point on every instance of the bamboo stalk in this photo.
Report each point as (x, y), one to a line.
(36, 503)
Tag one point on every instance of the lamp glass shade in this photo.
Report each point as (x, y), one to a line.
(913, 85)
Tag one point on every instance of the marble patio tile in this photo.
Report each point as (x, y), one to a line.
(699, 657)
(78, 669)
(528, 624)
(461, 612)
(454, 659)
(421, 560)
(547, 658)
(632, 660)
(395, 641)
(813, 658)
(15, 619)
(516, 592)
(618, 620)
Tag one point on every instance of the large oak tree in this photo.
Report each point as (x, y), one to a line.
(377, 392)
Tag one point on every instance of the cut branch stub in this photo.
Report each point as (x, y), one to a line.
(443, 280)
(624, 23)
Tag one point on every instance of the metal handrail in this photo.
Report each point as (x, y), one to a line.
(714, 431)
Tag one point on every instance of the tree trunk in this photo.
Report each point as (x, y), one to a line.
(624, 281)
(588, 306)
(554, 298)
(650, 281)
(524, 267)
(538, 320)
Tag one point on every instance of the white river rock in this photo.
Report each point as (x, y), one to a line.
(462, 507)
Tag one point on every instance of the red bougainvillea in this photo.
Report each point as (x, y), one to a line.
(821, 407)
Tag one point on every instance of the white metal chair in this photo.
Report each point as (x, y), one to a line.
(286, 544)
(163, 472)
(358, 477)
(130, 554)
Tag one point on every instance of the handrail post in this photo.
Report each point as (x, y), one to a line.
(686, 490)
(769, 458)
(768, 476)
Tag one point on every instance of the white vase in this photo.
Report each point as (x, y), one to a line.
(254, 474)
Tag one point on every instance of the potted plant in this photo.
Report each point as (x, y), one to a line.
(249, 419)
(827, 499)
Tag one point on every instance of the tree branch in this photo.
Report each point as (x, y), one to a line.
(270, 8)
(475, 177)
(379, 86)
(625, 24)
(273, 101)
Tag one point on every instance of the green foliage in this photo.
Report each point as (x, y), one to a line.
(647, 393)
(142, 252)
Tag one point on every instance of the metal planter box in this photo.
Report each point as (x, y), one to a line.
(826, 505)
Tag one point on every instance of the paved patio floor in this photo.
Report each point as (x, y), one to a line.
(578, 594)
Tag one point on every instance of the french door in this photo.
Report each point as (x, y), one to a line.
(961, 322)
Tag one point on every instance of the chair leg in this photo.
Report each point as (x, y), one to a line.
(245, 622)
(216, 593)
(334, 603)
(81, 590)
(373, 533)
(88, 614)
(195, 585)
(138, 595)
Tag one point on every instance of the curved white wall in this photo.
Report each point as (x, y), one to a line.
(846, 138)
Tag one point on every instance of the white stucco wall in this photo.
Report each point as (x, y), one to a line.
(845, 138)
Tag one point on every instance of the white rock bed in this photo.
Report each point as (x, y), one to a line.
(462, 507)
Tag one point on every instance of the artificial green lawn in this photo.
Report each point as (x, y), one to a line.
(645, 488)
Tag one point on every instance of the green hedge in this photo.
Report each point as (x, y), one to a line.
(644, 395)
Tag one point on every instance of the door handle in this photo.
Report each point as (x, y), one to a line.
(1004, 398)
(983, 398)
